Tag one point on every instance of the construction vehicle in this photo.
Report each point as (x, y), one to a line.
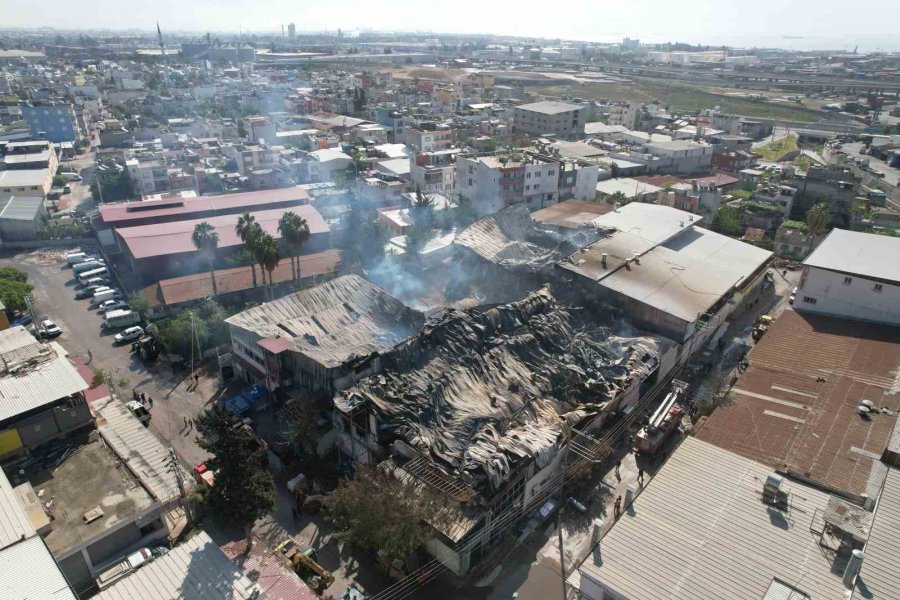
(147, 348)
(761, 326)
(663, 422)
(302, 559)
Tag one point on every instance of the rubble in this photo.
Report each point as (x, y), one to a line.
(483, 392)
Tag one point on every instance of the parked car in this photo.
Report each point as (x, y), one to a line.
(138, 410)
(109, 305)
(136, 559)
(132, 333)
(88, 291)
(793, 296)
(48, 329)
(23, 321)
(71, 176)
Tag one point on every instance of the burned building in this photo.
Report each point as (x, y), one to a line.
(321, 339)
(481, 405)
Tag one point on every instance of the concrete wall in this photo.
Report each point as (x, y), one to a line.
(857, 299)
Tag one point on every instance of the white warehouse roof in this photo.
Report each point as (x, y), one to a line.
(857, 253)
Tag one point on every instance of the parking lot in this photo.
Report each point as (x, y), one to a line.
(82, 335)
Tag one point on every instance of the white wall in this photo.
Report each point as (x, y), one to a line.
(855, 300)
(586, 182)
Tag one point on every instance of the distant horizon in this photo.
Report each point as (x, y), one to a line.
(804, 25)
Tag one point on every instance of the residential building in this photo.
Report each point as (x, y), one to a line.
(496, 181)
(628, 189)
(683, 156)
(321, 339)
(706, 526)
(625, 114)
(553, 118)
(28, 155)
(51, 122)
(852, 275)
(434, 171)
(793, 242)
(321, 165)
(429, 137)
(249, 157)
(25, 182)
(261, 130)
(148, 176)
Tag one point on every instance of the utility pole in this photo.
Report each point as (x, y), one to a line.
(562, 554)
(182, 490)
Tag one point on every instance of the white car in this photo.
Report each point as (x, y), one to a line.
(109, 305)
(50, 329)
(130, 334)
(793, 296)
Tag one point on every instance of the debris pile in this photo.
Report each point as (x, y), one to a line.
(482, 393)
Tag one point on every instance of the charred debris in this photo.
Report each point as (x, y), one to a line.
(487, 396)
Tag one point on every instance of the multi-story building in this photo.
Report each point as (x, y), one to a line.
(683, 156)
(852, 275)
(249, 157)
(497, 181)
(52, 122)
(28, 155)
(148, 176)
(429, 137)
(434, 171)
(625, 114)
(558, 119)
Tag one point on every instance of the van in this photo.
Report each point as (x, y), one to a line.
(98, 281)
(74, 258)
(98, 272)
(70, 176)
(116, 319)
(104, 295)
(87, 265)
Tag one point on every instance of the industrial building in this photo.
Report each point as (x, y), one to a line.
(666, 274)
(854, 275)
(21, 218)
(320, 339)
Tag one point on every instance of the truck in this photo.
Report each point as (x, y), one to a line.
(764, 322)
(73, 258)
(663, 422)
(117, 319)
(98, 272)
(104, 295)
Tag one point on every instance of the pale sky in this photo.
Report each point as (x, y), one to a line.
(828, 23)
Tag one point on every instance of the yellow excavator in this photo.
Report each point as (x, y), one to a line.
(303, 561)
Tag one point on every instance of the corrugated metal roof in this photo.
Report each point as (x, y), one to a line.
(175, 237)
(334, 322)
(21, 208)
(28, 572)
(144, 454)
(195, 570)
(700, 530)
(14, 523)
(15, 338)
(879, 578)
(860, 253)
(274, 577)
(49, 378)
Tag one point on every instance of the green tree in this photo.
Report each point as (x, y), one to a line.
(295, 232)
(267, 256)
(59, 181)
(728, 221)
(244, 489)
(12, 294)
(13, 274)
(378, 511)
(138, 302)
(818, 218)
(249, 231)
(617, 197)
(206, 240)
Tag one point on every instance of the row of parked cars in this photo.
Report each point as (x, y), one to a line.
(94, 278)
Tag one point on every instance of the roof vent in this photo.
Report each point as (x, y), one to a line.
(637, 258)
(773, 491)
(603, 259)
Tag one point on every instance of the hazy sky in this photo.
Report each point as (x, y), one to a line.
(835, 23)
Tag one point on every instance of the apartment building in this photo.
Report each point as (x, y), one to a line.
(624, 114)
(249, 157)
(429, 137)
(148, 176)
(497, 181)
(52, 122)
(683, 156)
(434, 171)
(559, 119)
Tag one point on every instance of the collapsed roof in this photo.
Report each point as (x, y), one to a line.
(481, 393)
(332, 323)
(510, 238)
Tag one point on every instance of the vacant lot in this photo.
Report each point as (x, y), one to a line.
(683, 97)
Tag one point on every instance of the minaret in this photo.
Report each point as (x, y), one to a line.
(159, 36)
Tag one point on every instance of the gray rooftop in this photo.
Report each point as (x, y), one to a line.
(879, 577)
(700, 530)
(23, 177)
(550, 107)
(194, 570)
(14, 522)
(21, 208)
(28, 571)
(331, 323)
(863, 254)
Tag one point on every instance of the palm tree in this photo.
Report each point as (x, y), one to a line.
(295, 231)
(818, 217)
(248, 230)
(206, 240)
(267, 256)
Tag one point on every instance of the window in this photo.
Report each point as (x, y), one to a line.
(551, 172)
(527, 187)
(809, 299)
(528, 176)
(848, 280)
(877, 287)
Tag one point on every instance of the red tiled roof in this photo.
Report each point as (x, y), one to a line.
(160, 239)
(194, 287)
(658, 180)
(795, 407)
(122, 212)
